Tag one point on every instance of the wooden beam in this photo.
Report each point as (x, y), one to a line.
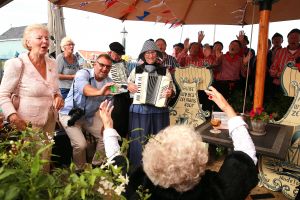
(262, 50)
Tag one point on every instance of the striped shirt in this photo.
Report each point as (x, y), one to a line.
(170, 62)
(282, 57)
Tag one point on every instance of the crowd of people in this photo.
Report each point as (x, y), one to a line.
(82, 100)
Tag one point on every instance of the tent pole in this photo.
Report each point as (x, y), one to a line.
(262, 49)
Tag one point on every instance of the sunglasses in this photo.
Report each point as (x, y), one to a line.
(103, 65)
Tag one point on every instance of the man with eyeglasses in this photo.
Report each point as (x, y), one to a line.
(89, 88)
(119, 74)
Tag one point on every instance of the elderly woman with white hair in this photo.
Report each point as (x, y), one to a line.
(33, 76)
(174, 161)
(67, 65)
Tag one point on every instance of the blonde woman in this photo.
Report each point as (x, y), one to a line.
(67, 65)
(40, 98)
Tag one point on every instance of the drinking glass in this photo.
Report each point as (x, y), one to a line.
(215, 122)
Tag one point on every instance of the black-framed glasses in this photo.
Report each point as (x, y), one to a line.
(103, 65)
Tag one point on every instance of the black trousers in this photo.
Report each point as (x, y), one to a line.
(120, 113)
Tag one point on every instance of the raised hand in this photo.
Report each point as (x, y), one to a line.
(105, 110)
(186, 43)
(241, 35)
(221, 102)
(201, 36)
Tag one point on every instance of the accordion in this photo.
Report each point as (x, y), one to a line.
(151, 89)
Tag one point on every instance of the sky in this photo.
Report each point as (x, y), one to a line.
(92, 31)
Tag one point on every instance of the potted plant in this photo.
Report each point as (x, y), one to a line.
(258, 121)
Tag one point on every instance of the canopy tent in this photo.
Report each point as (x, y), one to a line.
(4, 2)
(231, 12)
(177, 12)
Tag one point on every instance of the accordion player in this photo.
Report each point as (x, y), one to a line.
(151, 88)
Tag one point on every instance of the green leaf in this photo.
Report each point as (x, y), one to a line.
(12, 193)
(7, 173)
(82, 193)
(67, 190)
(43, 149)
(35, 168)
(92, 180)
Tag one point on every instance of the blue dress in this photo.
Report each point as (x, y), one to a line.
(144, 121)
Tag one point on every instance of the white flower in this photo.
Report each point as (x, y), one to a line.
(106, 184)
(119, 189)
(101, 191)
(107, 163)
(123, 179)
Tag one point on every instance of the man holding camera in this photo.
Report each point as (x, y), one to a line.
(89, 88)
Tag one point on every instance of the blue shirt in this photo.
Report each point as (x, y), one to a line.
(82, 78)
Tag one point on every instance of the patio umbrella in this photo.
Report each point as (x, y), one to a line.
(4, 2)
(56, 28)
(178, 12)
(231, 12)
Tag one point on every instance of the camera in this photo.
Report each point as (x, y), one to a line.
(76, 114)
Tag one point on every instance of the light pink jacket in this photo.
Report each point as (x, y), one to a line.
(36, 93)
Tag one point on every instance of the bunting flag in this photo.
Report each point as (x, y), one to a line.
(175, 23)
(146, 13)
(166, 11)
(158, 5)
(109, 3)
(130, 9)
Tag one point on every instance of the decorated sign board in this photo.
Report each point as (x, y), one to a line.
(278, 175)
(289, 74)
(188, 109)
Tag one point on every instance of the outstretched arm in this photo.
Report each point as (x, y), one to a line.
(237, 127)
(110, 135)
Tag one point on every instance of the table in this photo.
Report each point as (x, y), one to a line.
(274, 144)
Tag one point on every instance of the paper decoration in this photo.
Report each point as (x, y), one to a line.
(109, 3)
(158, 5)
(146, 13)
(82, 4)
(175, 23)
(166, 11)
(158, 18)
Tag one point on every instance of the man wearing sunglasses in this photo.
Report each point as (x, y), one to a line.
(89, 88)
